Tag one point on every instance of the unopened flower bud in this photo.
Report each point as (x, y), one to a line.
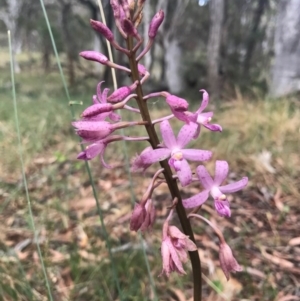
(94, 56)
(176, 103)
(97, 109)
(103, 29)
(227, 261)
(129, 28)
(121, 93)
(155, 23)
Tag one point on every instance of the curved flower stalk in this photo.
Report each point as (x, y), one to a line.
(227, 262)
(174, 148)
(213, 187)
(99, 121)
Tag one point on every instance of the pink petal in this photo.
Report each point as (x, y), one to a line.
(190, 245)
(186, 134)
(213, 127)
(205, 100)
(99, 92)
(96, 109)
(155, 155)
(174, 256)
(94, 149)
(184, 174)
(114, 116)
(204, 177)
(196, 154)
(197, 133)
(196, 200)
(167, 134)
(95, 99)
(165, 254)
(233, 187)
(92, 125)
(221, 172)
(104, 95)
(207, 114)
(176, 233)
(223, 207)
(180, 115)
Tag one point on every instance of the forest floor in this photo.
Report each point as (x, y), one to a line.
(260, 140)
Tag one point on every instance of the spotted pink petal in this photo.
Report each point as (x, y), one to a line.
(221, 172)
(196, 154)
(196, 200)
(155, 155)
(223, 208)
(204, 177)
(186, 134)
(92, 125)
(97, 109)
(167, 134)
(184, 174)
(233, 187)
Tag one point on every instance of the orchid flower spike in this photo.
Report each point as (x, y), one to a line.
(174, 148)
(174, 248)
(213, 187)
(203, 118)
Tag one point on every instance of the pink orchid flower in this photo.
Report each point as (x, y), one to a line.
(203, 118)
(174, 148)
(213, 187)
(174, 248)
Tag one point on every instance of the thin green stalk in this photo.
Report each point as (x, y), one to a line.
(113, 71)
(106, 236)
(31, 219)
(172, 184)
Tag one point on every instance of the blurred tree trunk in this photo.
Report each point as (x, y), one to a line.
(285, 73)
(9, 16)
(216, 8)
(66, 16)
(172, 49)
(250, 44)
(173, 57)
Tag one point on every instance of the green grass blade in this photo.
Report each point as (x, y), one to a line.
(31, 219)
(106, 236)
(125, 151)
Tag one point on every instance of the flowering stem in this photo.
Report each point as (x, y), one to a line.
(172, 184)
